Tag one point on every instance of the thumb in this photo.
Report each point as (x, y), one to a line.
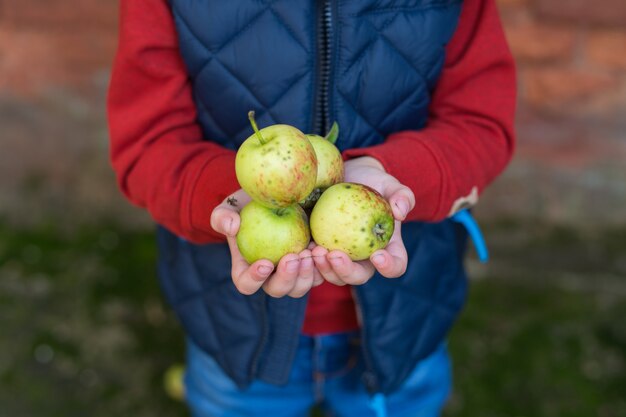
(225, 221)
(401, 199)
(225, 217)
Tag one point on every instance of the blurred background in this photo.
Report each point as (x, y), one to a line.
(84, 330)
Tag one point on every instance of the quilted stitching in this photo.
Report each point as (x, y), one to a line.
(214, 68)
(419, 6)
(268, 108)
(358, 114)
(284, 23)
(201, 108)
(368, 47)
(380, 24)
(214, 54)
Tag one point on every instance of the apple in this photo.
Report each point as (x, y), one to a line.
(173, 382)
(329, 164)
(277, 165)
(352, 218)
(271, 233)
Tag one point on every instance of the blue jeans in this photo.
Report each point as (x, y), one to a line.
(327, 371)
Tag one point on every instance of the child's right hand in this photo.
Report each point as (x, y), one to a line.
(294, 275)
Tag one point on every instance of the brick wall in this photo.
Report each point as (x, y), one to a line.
(55, 43)
(569, 54)
(572, 102)
(55, 56)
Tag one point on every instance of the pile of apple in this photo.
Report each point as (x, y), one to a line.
(284, 170)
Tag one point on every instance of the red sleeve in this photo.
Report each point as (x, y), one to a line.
(157, 150)
(469, 138)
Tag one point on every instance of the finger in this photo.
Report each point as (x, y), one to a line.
(353, 273)
(225, 221)
(324, 267)
(391, 262)
(401, 199)
(305, 275)
(247, 278)
(225, 217)
(318, 279)
(284, 278)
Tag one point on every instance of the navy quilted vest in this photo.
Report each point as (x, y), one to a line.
(371, 65)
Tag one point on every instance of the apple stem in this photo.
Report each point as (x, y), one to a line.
(255, 127)
(378, 231)
(333, 133)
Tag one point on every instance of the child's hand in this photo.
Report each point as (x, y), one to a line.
(390, 262)
(295, 274)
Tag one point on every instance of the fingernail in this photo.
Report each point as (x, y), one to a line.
(226, 225)
(264, 270)
(336, 261)
(378, 259)
(292, 266)
(403, 207)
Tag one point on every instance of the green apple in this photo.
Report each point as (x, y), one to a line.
(173, 382)
(329, 164)
(277, 165)
(352, 218)
(271, 233)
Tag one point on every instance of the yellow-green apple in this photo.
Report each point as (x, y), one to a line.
(277, 165)
(352, 218)
(173, 382)
(329, 164)
(271, 233)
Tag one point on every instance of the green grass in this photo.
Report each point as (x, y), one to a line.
(86, 333)
(523, 350)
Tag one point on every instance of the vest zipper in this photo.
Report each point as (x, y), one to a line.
(370, 380)
(322, 123)
(325, 22)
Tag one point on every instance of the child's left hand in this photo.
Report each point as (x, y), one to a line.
(391, 262)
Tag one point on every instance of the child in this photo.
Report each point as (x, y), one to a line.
(424, 94)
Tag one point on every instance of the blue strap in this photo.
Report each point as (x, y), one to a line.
(465, 218)
(377, 403)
